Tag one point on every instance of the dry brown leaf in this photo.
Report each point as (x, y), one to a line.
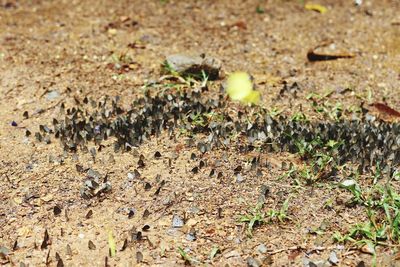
(313, 56)
(316, 7)
(383, 108)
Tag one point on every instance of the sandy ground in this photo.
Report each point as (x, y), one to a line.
(58, 51)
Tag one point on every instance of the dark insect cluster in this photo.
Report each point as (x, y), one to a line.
(209, 123)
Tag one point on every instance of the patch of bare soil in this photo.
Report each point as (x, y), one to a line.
(165, 201)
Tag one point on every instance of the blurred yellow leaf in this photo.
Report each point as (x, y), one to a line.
(111, 243)
(315, 7)
(240, 88)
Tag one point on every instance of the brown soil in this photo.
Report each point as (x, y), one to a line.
(67, 46)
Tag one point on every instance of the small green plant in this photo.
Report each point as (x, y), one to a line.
(185, 256)
(355, 189)
(274, 112)
(253, 218)
(382, 205)
(198, 119)
(257, 217)
(377, 173)
(289, 174)
(168, 69)
(260, 10)
(214, 251)
(307, 150)
(299, 116)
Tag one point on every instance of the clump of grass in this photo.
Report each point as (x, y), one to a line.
(319, 159)
(256, 216)
(382, 206)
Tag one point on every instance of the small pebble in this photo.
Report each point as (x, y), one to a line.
(130, 176)
(251, 262)
(333, 258)
(239, 178)
(52, 95)
(262, 248)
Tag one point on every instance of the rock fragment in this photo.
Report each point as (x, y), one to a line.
(187, 65)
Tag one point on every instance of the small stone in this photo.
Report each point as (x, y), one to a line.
(239, 178)
(130, 176)
(52, 95)
(333, 258)
(112, 31)
(194, 65)
(368, 249)
(93, 174)
(4, 252)
(232, 254)
(251, 262)
(308, 263)
(262, 248)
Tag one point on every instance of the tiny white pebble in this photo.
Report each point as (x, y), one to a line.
(81, 236)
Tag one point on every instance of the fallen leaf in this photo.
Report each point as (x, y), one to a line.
(111, 243)
(383, 108)
(240, 24)
(316, 7)
(293, 254)
(313, 56)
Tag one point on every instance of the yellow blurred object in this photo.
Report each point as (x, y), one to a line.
(316, 7)
(253, 97)
(239, 87)
(111, 243)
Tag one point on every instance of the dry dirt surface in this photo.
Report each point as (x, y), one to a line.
(183, 205)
